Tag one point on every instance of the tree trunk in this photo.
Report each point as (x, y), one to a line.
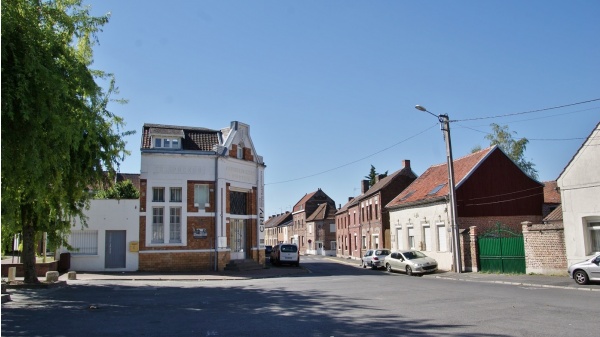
(28, 254)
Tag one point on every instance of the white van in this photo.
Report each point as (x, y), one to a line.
(285, 253)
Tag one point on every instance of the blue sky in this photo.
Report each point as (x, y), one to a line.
(329, 87)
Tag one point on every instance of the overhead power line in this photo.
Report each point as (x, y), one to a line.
(354, 161)
(526, 112)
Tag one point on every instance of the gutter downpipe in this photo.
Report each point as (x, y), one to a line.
(216, 211)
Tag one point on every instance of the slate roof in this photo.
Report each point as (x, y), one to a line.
(195, 139)
(324, 211)
(278, 219)
(432, 185)
(551, 194)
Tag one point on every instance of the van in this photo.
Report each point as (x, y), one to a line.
(285, 253)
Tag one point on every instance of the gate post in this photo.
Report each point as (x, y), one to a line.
(474, 250)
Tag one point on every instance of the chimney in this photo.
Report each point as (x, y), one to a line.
(406, 163)
(350, 198)
(364, 187)
(379, 177)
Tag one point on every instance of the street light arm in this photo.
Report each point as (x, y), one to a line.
(422, 108)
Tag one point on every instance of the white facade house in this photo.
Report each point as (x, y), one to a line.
(579, 185)
(202, 198)
(109, 242)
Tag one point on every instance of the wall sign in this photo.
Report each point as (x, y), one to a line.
(200, 233)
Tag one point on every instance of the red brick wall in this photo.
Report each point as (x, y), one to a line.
(40, 268)
(181, 261)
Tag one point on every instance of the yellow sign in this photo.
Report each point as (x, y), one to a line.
(134, 246)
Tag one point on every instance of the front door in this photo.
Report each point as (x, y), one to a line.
(114, 249)
(238, 239)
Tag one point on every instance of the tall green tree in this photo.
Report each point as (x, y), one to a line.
(57, 133)
(120, 190)
(514, 148)
(372, 177)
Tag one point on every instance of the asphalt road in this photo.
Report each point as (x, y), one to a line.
(331, 300)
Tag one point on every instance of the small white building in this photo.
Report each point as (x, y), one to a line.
(110, 240)
(579, 185)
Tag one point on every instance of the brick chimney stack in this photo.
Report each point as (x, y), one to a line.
(406, 163)
(364, 187)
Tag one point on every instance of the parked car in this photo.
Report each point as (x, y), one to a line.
(285, 253)
(374, 258)
(586, 271)
(268, 250)
(412, 262)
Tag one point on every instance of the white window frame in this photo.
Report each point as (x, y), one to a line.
(411, 237)
(427, 237)
(201, 195)
(175, 225)
(442, 240)
(158, 225)
(593, 236)
(178, 191)
(157, 193)
(166, 142)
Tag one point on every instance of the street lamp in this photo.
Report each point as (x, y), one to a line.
(445, 125)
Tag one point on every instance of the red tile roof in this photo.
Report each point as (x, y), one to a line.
(433, 183)
(303, 201)
(324, 211)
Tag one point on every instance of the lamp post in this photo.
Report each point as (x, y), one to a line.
(445, 125)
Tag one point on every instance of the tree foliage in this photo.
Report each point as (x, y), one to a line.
(514, 148)
(120, 190)
(372, 177)
(57, 133)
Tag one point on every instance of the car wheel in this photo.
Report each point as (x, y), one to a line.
(581, 277)
(409, 271)
(373, 266)
(388, 267)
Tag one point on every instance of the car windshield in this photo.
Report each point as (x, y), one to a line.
(289, 249)
(382, 252)
(413, 255)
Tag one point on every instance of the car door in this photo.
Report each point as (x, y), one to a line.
(395, 261)
(594, 269)
(367, 257)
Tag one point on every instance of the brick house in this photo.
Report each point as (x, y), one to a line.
(276, 228)
(579, 185)
(363, 223)
(301, 211)
(201, 198)
(490, 189)
(320, 231)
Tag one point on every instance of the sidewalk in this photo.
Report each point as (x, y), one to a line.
(544, 281)
(563, 282)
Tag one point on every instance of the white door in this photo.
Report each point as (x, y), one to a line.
(238, 239)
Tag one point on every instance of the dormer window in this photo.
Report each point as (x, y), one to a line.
(167, 143)
(240, 152)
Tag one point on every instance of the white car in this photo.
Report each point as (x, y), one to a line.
(412, 262)
(285, 253)
(586, 271)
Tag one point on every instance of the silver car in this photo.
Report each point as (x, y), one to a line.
(586, 271)
(374, 258)
(412, 262)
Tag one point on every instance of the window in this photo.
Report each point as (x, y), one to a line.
(166, 143)
(201, 195)
(158, 231)
(175, 194)
(237, 201)
(594, 232)
(333, 245)
(240, 152)
(364, 242)
(427, 237)
(442, 243)
(175, 225)
(436, 189)
(84, 242)
(411, 238)
(375, 241)
(158, 194)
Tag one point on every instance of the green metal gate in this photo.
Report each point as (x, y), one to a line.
(502, 251)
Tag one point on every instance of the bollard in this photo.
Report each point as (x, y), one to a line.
(12, 273)
(52, 276)
(72, 275)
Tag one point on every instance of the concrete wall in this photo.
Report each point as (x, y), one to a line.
(106, 215)
(580, 195)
